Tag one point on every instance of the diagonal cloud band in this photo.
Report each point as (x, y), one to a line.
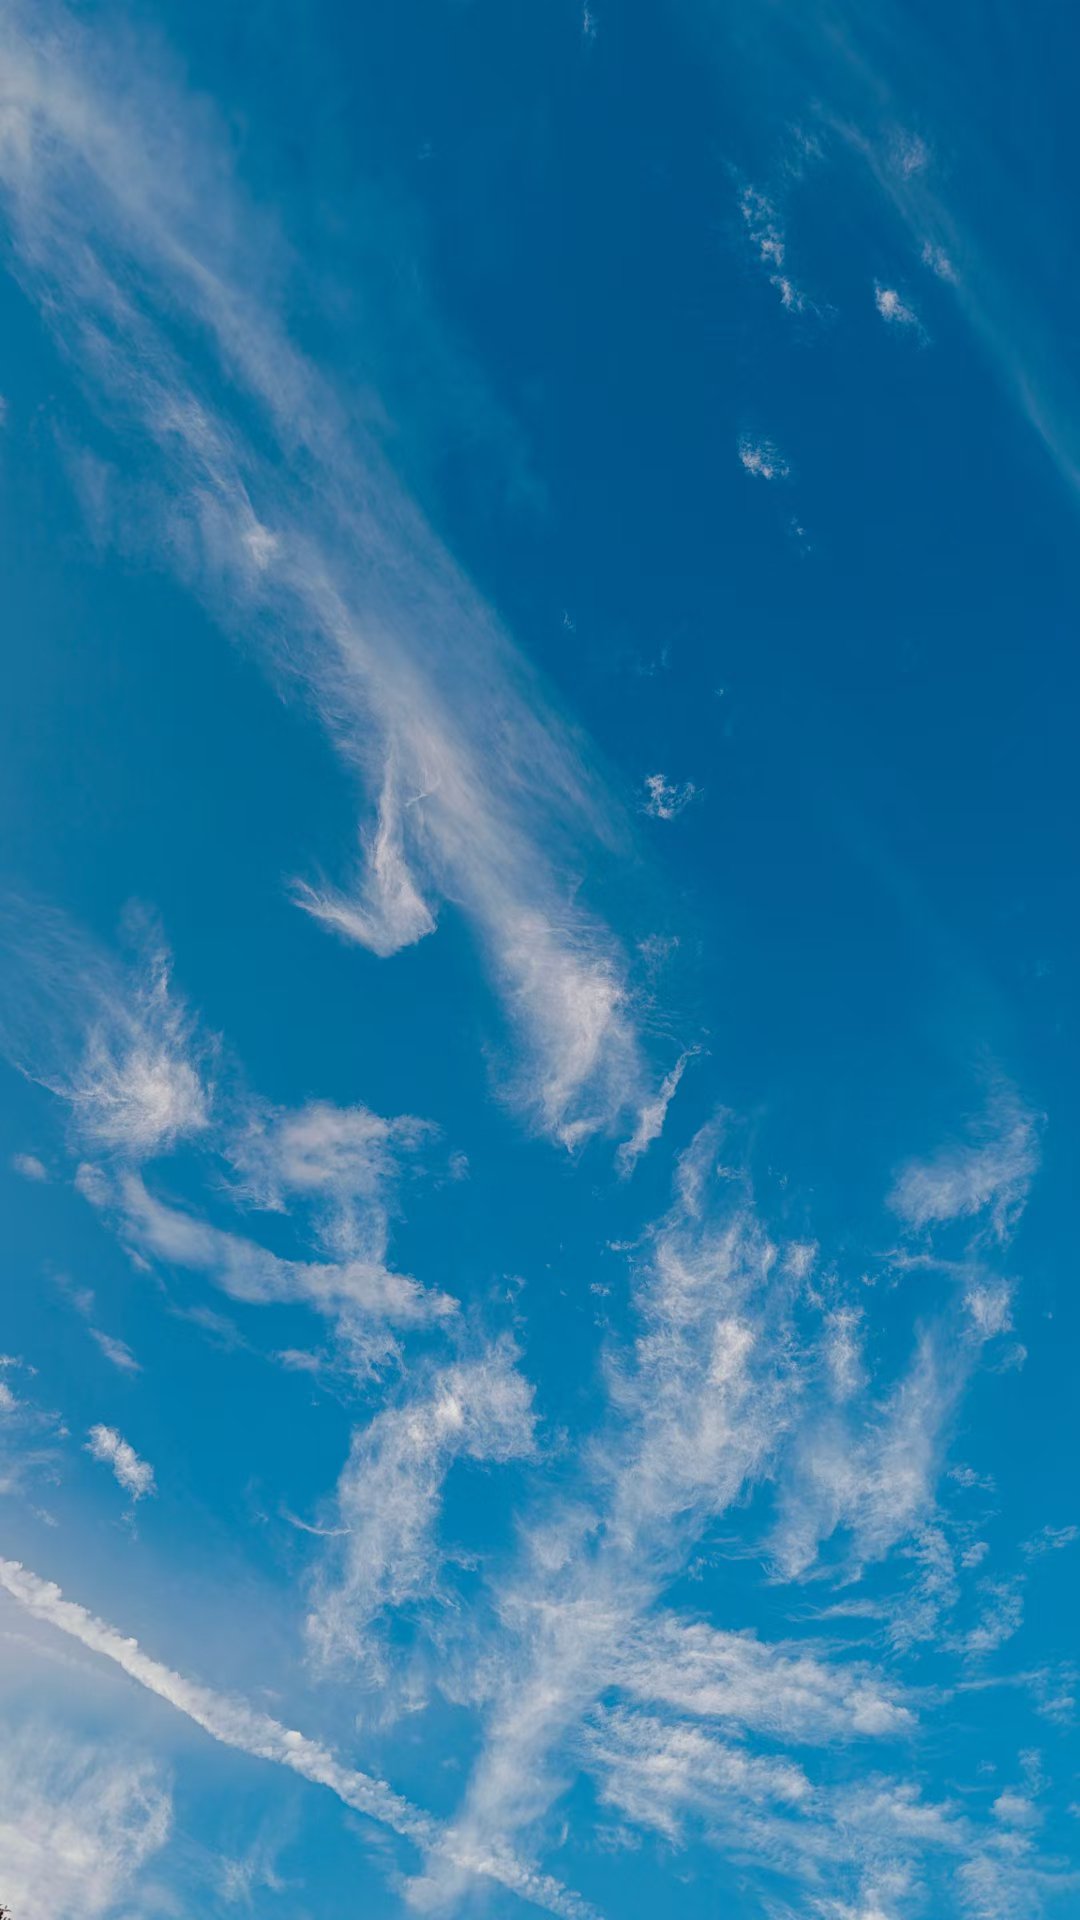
(235, 1724)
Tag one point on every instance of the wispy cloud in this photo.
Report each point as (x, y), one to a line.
(696, 1413)
(650, 1121)
(893, 309)
(763, 459)
(30, 1167)
(343, 1162)
(141, 253)
(989, 1173)
(768, 240)
(787, 1691)
(117, 1352)
(77, 1824)
(657, 1773)
(872, 1474)
(237, 1725)
(365, 1298)
(390, 1492)
(117, 1045)
(134, 1475)
(664, 799)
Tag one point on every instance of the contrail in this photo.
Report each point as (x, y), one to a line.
(235, 1724)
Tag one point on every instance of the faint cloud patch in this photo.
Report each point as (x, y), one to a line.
(763, 459)
(664, 799)
(29, 1166)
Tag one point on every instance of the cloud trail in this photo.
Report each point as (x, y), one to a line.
(237, 1725)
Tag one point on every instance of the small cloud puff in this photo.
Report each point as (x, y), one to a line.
(767, 238)
(665, 800)
(892, 308)
(938, 261)
(763, 459)
(30, 1167)
(134, 1475)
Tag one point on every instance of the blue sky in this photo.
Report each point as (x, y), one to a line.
(538, 1114)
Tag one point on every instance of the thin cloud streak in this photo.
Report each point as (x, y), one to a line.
(237, 1725)
(126, 234)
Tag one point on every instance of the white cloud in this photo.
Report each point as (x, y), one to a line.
(874, 1477)
(134, 240)
(1002, 1615)
(117, 1352)
(665, 800)
(77, 1824)
(767, 239)
(911, 153)
(1016, 1809)
(29, 1166)
(134, 1475)
(343, 1161)
(656, 1773)
(364, 1297)
(843, 1352)
(786, 1691)
(762, 459)
(120, 1048)
(383, 909)
(237, 1725)
(650, 1121)
(892, 308)
(938, 261)
(990, 1173)
(390, 1492)
(696, 1414)
(989, 1303)
(1050, 1540)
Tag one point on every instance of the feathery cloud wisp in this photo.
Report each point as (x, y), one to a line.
(990, 1173)
(762, 459)
(118, 1046)
(664, 799)
(133, 240)
(389, 1494)
(77, 1824)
